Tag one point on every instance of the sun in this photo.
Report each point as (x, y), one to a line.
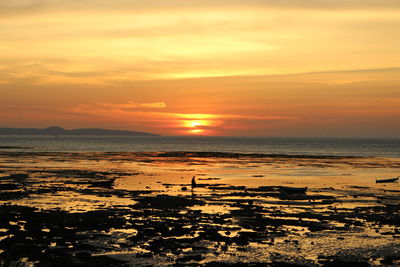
(194, 123)
(198, 124)
(195, 126)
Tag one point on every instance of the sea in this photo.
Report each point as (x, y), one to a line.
(376, 147)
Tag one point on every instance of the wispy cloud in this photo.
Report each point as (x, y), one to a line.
(109, 44)
(174, 4)
(160, 65)
(128, 105)
(140, 116)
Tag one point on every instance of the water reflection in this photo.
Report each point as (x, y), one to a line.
(235, 212)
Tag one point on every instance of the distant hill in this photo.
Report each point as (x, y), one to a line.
(61, 131)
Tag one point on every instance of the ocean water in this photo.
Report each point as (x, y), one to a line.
(267, 145)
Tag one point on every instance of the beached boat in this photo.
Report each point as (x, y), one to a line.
(103, 183)
(390, 180)
(292, 190)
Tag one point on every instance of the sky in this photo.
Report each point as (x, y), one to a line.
(209, 67)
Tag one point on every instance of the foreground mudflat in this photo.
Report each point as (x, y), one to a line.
(137, 209)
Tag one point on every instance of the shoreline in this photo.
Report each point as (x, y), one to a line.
(63, 210)
(18, 150)
(385, 147)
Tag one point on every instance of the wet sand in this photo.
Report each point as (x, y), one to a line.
(138, 209)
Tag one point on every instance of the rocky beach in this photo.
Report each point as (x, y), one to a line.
(138, 209)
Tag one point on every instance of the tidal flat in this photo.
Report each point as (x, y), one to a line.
(138, 209)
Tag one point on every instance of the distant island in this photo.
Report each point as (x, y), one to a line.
(61, 131)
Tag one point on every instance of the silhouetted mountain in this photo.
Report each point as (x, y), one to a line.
(55, 130)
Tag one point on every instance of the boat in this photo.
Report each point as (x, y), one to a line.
(102, 183)
(390, 180)
(292, 190)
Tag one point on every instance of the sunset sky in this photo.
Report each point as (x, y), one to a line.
(203, 67)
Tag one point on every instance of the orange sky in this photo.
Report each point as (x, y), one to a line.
(241, 68)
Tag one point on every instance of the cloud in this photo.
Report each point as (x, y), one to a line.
(176, 4)
(135, 116)
(130, 105)
(113, 45)
(231, 116)
(20, 3)
(172, 122)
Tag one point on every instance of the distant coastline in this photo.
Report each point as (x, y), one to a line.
(55, 130)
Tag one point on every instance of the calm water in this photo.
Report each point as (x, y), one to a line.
(309, 146)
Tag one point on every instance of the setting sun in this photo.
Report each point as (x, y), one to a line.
(195, 123)
(195, 126)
